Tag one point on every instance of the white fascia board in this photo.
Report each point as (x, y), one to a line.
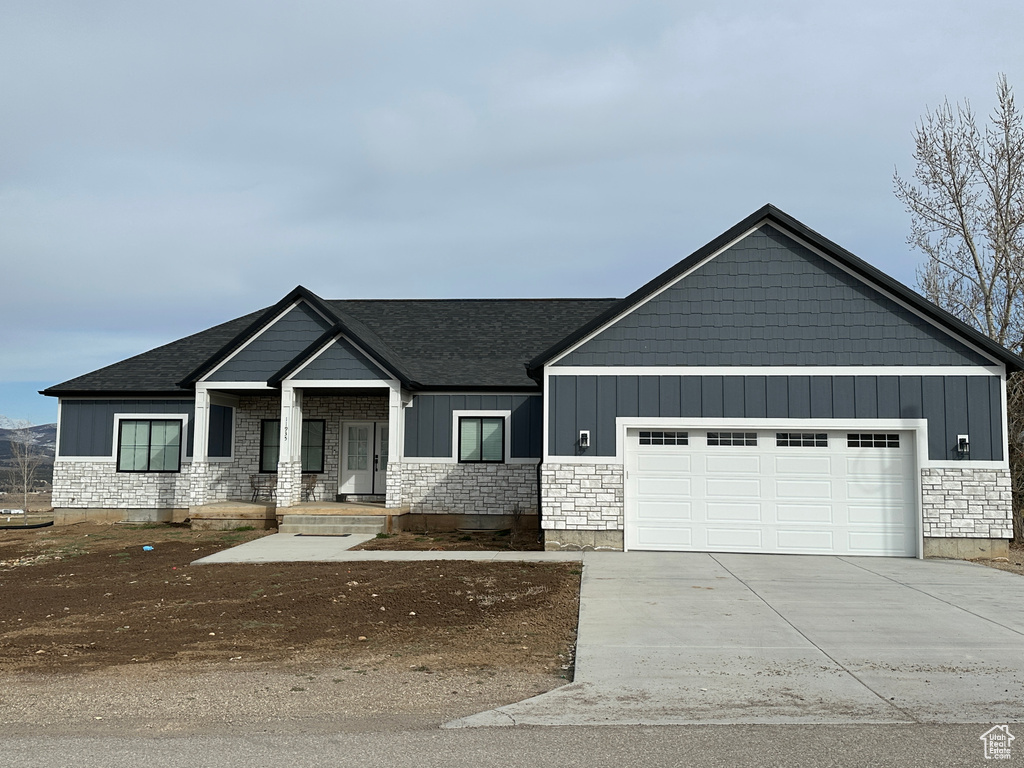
(650, 297)
(294, 376)
(226, 385)
(778, 370)
(341, 383)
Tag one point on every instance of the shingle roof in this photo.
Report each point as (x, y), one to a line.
(441, 343)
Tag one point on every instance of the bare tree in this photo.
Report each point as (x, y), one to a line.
(966, 207)
(26, 458)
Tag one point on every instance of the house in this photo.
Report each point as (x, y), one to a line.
(769, 393)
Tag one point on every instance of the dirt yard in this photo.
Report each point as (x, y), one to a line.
(1014, 564)
(454, 541)
(89, 597)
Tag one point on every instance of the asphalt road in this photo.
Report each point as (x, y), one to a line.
(764, 746)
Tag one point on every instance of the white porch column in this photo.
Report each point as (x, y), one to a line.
(396, 433)
(289, 462)
(199, 475)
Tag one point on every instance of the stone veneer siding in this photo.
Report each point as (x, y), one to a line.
(582, 497)
(84, 484)
(230, 479)
(463, 489)
(98, 485)
(966, 503)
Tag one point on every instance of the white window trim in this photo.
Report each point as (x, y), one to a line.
(182, 417)
(507, 432)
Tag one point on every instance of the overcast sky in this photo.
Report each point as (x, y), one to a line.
(168, 166)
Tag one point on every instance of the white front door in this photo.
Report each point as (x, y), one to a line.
(356, 457)
(380, 459)
(802, 492)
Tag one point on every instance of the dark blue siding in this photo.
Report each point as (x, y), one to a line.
(428, 422)
(87, 426)
(952, 405)
(339, 362)
(275, 347)
(768, 300)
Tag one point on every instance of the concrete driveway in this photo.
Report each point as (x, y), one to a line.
(677, 638)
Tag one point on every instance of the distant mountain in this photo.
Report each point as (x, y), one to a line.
(43, 437)
(7, 423)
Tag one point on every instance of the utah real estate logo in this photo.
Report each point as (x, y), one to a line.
(997, 742)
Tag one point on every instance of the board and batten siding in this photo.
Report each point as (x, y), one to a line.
(428, 423)
(952, 405)
(87, 426)
(769, 300)
(273, 349)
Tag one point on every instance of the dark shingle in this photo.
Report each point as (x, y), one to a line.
(440, 343)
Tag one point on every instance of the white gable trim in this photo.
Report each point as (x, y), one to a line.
(810, 247)
(260, 332)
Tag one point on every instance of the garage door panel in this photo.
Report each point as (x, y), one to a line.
(736, 488)
(664, 462)
(738, 539)
(880, 543)
(804, 513)
(664, 486)
(804, 541)
(878, 465)
(803, 489)
(664, 510)
(803, 465)
(876, 514)
(666, 538)
(875, 490)
(732, 511)
(732, 464)
(805, 495)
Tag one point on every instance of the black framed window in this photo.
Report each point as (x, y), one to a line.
(481, 439)
(664, 438)
(873, 440)
(732, 438)
(314, 432)
(801, 439)
(149, 445)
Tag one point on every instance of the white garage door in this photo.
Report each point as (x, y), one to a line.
(835, 492)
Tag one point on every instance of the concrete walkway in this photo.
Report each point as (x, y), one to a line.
(680, 638)
(293, 548)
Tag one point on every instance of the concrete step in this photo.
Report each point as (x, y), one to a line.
(333, 525)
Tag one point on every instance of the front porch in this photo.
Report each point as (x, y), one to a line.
(293, 447)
